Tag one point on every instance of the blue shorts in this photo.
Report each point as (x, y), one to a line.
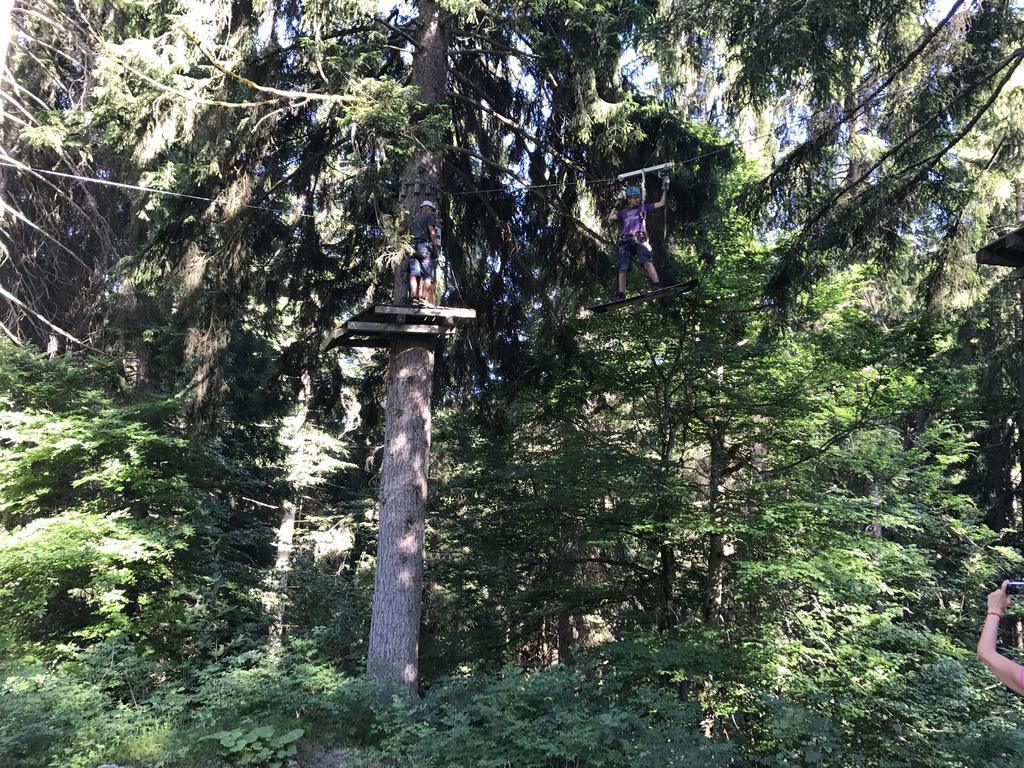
(421, 262)
(630, 247)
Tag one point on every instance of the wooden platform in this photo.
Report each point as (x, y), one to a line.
(1006, 251)
(376, 326)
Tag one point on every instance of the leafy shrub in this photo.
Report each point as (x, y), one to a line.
(52, 719)
(257, 746)
(113, 522)
(553, 718)
(111, 703)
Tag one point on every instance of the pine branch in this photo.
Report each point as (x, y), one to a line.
(512, 124)
(825, 207)
(800, 153)
(18, 302)
(512, 246)
(532, 189)
(185, 94)
(339, 98)
(931, 161)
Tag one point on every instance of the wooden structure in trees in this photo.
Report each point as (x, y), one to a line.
(392, 654)
(412, 334)
(1006, 251)
(378, 325)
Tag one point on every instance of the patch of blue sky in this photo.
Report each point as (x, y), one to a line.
(406, 10)
(636, 68)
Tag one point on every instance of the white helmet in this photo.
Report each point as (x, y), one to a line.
(425, 203)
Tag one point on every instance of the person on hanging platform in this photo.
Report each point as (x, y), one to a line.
(634, 237)
(426, 249)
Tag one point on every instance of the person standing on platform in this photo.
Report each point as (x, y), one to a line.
(634, 237)
(426, 249)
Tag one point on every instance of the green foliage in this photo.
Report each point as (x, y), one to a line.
(108, 510)
(66, 721)
(258, 746)
(109, 704)
(751, 527)
(555, 718)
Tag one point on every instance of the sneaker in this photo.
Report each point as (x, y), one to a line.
(657, 286)
(618, 296)
(417, 302)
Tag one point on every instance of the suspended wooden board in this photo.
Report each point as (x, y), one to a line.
(1006, 251)
(379, 324)
(661, 293)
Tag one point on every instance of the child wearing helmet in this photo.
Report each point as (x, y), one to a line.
(426, 246)
(634, 237)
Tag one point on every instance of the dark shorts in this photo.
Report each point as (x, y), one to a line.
(421, 262)
(630, 247)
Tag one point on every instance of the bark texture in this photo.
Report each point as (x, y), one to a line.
(282, 565)
(393, 656)
(717, 551)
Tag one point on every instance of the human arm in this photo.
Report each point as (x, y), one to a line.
(435, 241)
(1008, 672)
(664, 194)
(614, 215)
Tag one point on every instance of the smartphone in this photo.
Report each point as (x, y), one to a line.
(1015, 587)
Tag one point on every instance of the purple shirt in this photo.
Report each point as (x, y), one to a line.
(633, 218)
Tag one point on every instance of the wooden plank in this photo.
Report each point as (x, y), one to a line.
(1015, 242)
(461, 313)
(434, 321)
(663, 293)
(355, 326)
(1005, 251)
(378, 342)
(999, 257)
(331, 339)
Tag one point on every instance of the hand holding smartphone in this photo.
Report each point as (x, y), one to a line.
(1015, 587)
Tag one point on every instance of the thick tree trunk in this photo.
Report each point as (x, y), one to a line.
(565, 639)
(1018, 507)
(996, 444)
(667, 578)
(6, 7)
(393, 655)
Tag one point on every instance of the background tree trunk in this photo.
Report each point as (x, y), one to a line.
(715, 593)
(282, 564)
(6, 6)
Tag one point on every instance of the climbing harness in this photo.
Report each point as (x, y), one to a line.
(663, 170)
(640, 190)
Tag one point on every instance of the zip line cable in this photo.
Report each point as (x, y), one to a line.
(149, 190)
(877, 95)
(18, 166)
